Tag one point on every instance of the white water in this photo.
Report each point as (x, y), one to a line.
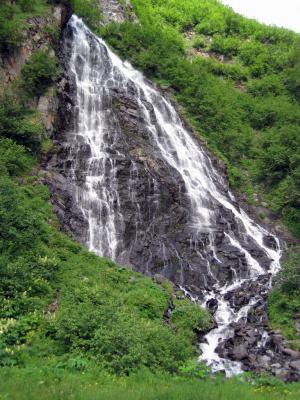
(96, 69)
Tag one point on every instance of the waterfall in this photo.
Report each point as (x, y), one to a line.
(127, 150)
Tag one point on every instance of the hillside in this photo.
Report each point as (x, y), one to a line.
(75, 325)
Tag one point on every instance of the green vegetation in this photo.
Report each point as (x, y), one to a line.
(17, 121)
(242, 97)
(284, 302)
(88, 10)
(39, 73)
(14, 17)
(45, 383)
(13, 20)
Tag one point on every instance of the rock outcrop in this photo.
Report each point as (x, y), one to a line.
(115, 10)
(38, 35)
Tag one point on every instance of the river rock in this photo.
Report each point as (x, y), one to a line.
(240, 352)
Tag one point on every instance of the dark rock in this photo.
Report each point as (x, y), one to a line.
(295, 365)
(212, 305)
(159, 278)
(270, 242)
(292, 354)
(240, 352)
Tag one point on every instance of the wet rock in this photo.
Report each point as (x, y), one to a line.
(154, 217)
(117, 10)
(212, 305)
(147, 197)
(240, 352)
(270, 242)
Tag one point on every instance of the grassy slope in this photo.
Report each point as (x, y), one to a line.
(42, 384)
(284, 302)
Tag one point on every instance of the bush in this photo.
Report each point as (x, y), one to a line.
(39, 73)
(18, 122)
(288, 280)
(293, 75)
(116, 319)
(88, 10)
(10, 27)
(228, 46)
(14, 158)
(284, 302)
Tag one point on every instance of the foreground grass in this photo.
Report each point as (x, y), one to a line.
(44, 384)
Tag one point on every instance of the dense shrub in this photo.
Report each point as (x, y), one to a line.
(284, 302)
(115, 317)
(14, 159)
(88, 10)
(39, 73)
(13, 19)
(18, 122)
(293, 74)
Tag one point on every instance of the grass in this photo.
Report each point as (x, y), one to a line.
(43, 384)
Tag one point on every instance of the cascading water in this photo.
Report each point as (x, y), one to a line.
(133, 167)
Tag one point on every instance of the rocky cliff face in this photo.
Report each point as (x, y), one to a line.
(37, 36)
(115, 10)
(152, 211)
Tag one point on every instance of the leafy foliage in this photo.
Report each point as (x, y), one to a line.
(39, 73)
(13, 16)
(88, 10)
(284, 303)
(17, 121)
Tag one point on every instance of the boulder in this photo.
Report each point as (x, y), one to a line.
(240, 352)
(295, 365)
